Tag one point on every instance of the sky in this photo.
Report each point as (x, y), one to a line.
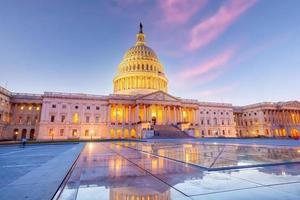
(232, 51)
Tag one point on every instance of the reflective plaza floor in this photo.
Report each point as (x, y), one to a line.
(183, 170)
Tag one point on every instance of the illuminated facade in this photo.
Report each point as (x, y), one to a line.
(140, 107)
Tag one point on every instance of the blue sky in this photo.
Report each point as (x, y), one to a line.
(235, 51)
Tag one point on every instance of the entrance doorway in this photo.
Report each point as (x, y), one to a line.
(24, 132)
(154, 120)
(31, 136)
(295, 133)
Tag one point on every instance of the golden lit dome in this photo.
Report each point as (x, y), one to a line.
(140, 71)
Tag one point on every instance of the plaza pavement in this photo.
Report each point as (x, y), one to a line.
(36, 171)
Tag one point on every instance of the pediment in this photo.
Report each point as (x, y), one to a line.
(158, 96)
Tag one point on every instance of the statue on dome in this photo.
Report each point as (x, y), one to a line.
(141, 27)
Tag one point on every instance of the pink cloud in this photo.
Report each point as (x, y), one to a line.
(179, 11)
(213, 64)
(208, 30)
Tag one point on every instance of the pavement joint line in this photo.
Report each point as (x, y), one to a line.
(63, 183)
(219, 154)
(150, 172)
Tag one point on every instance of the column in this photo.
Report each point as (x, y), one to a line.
(116, 111)
(180, 114)
(144, 118)
(169, 115)
(194, 116)
(129, 115)
(123, 115)
(163, 114)
(137, 113)
(150, 113)
(175, 115)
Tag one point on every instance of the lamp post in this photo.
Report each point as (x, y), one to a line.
(16, 133)
(52, 135)
(92, 133)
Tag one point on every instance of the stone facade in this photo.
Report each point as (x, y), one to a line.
(280, 119)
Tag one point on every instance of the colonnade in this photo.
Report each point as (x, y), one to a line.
(140, 82)
(162, 114)
(283, 116)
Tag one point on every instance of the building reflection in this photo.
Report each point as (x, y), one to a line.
(127, 174)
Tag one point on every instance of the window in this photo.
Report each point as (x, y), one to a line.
(223, 131)
(207, 112)
(63, 118)
(20, 120)
(97, 119)
(52, 118)
(208, 122)
(88, 107)
(87, 119)
(221, 113)
(61, 132)
(202, 122)
(76, 107)
(51, 132)
(64, 106)
(208, 132)
(86, 133)
(38, 108)
(75, 118)
(53, 106)
(36, 119)
(74, 132)
(97, 108)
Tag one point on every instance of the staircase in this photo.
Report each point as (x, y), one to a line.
(169, 131)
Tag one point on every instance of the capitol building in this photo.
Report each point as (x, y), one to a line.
(140, 107)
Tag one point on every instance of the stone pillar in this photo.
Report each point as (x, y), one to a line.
(123, 115)
(163, 114)
(180, 114)
(129, 115)
(150, 113)
(169, 115)
(144, 114)
(109, 114)
(174, 115)
(116, 118)
(137, 113)
(156, 112)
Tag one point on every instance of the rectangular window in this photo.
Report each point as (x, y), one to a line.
(63, 118)
(208, 122)
(97, 108)
(20, 120)
(64, 106)
(87, 119)
(52, 118)
(88, 107)
(61, 132)
(74, 132)
(53, 106)
(97, 119)
(86, 133)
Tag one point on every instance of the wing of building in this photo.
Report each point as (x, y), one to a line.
(140, 107)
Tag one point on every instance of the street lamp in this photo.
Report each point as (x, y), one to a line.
(52, 135)
(92, 133)
(16, 135)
